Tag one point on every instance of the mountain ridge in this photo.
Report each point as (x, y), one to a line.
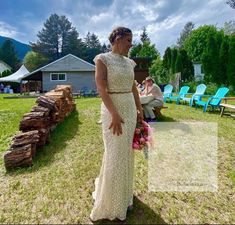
(20, 48)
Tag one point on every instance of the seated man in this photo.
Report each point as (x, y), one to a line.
(154, 90)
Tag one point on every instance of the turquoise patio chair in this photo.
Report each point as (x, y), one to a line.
(167, 93)
(200, 90)
(181, 95)
(213, 101)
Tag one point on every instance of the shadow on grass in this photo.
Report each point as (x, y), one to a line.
(141, 214)
(64, 132)
(165, 119)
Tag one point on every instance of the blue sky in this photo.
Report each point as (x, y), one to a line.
(164, 19)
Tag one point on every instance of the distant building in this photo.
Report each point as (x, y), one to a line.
(4, 66)
(69, 70)
(198, 72)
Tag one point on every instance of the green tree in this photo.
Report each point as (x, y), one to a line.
(178, 63)
(185, 33)
(5, 73)
(55, 37)
(187, 71)
(223, 60)
(173, 60)
(167, 59)
(9, 55)
(210, 59)
(34, 60)
(145, 50)
(149, 50)
(135, 50)
(74, 45)
(144, 36)
(158, 71)
(231, 61)
(93, 46)
(196, 42)
(105, 48)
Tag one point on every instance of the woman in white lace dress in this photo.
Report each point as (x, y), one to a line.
(120, 110)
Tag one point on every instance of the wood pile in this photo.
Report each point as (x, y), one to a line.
(37, 125)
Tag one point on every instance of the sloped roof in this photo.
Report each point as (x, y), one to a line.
(68, 63)
(17, 76)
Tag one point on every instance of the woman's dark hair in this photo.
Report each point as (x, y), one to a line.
(119, 31)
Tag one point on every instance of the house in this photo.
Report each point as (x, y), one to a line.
(4, 66)
(69, 70)
(198, 73)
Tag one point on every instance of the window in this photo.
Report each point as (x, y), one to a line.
(58, 77)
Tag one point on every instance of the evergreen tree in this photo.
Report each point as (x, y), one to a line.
(178, 63)
(74, 45)
(105, 48)
(185, 33)
(144, 36)
(210, 59)
(93, 46)
(134, 52)
(55, 37)
(173, 60)
(231, 61)
(9, 55)
(187, 71)
(149, 50)
(223, 60)
(167, 59)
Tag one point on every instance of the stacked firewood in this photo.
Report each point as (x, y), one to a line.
(37, 125)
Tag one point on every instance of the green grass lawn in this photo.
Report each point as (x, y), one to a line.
(57, 189)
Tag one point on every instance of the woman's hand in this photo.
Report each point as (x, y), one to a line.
(140, 115)
(116, 124)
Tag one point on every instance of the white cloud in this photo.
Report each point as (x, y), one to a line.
(164, 19)
(7, 30)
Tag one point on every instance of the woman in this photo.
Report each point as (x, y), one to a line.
(154, 90)
(120, 109)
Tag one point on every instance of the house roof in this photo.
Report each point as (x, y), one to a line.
(68, 63)
(4, 66)
(17, 76)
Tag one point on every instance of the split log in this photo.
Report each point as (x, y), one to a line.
(34, 123)
(21, 156)
(34, 115)
(63, 87)
(25, 138)
(44, 137)
(38, 124)
(47, 102)
(38, 108)
(56, 94)
(22, 139)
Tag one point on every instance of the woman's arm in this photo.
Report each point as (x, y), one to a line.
(101, 84)
(140, 116)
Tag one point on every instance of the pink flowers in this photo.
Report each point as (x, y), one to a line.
(141, 136)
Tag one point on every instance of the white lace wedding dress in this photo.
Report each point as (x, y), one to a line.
(114, 186)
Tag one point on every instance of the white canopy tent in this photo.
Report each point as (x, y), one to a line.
(17, 76)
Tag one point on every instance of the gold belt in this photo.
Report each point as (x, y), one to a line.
(113, 92)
